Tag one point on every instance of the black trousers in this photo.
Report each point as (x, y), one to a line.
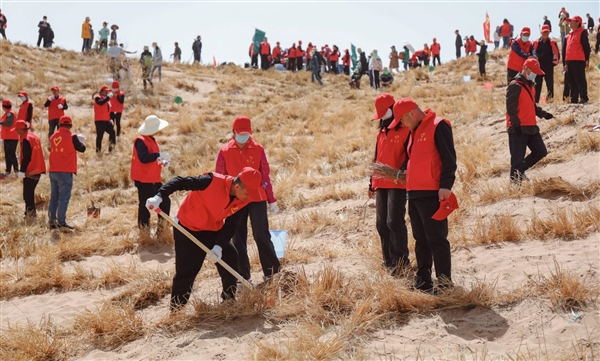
(510, 74)
(391, 208)
(346, 70)
(457, 52)
(376, 79)
(29, 184)
(52, 127)
(439, 62)
(431, 240)
(539, 80)
(299, 62)
(264, 61)
(10, 155)
(145, 191)
(577, 81)
(260, 230)
(482, 67)
(518, 144)
(3, 32)
(188, 262)
(41, 37)
(292, 64)
(101, 128)
(116, 118)
(254, 61)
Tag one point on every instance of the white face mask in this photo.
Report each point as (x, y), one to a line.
(242, 138)
(114, 90)
(23, 99)
(531, 76)
(524, 39)
(388, 114)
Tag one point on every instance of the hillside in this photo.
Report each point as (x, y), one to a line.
(525, 259)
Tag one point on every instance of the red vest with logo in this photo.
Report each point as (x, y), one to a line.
(515, 62)
(63, 156)
(390, 151)
(435, 49)
(9, 133)
(116, 105)
(206, 210)
(335, 55)
(53, 111)
(145, 172)
(37, 165)
(23, 111)
(555, 52)
(574, 48)
(101, 112)
(265, 48)
(526, 107)
(236, 159)
(424, 165)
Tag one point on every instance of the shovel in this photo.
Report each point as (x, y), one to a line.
(203, 247)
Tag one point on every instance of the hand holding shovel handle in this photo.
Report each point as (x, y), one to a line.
(203, 247)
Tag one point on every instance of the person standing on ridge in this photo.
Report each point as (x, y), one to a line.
(457, 43)
(277, 54)
(435, 52)
(176, 53)
(299, 56)
(375, 65)
(197, 49)
(590, 24)
(505, 33)
(3, 24)
(146, 63)
(393, 60)
(253, 56)
(86, 35)
(576, 59)
(482, 57)
(346, 61)
(547, 22)
(43, 26)
(157, 60)
(265, 53)
(548, 56)
(104, 34)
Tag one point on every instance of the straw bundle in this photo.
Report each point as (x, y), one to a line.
(384, 171)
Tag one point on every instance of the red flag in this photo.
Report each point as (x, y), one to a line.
(486, 29)
(214, 61)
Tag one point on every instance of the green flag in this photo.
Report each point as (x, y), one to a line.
(354, 56)
(258, 37)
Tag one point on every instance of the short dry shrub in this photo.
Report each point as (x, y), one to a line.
(31, 342)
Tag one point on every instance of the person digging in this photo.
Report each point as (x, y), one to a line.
(210, 213)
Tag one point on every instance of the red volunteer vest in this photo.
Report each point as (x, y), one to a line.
(515, 62)
(23, 111)
(206, 210)
(117, 106)
(276, 52)
(346, 60)
(145, 172)
(473, 45)
(335, 55)
(526, 107)
(37, 165)
(63, 156)
(424, 165)
(435, 49)
(308, 50)
(390, 151)
(101, 112)
(292, 53)
(251, 50)
(505, 30)
(555, 52)
(53, 111)
(236, 159)
(574, 48)
(9, 133)
(265, 48)
(299, 52)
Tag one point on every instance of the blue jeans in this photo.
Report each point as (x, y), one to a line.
(506, 42)
(60, 194)
(316, 73)
(154, 67)
(405, 66)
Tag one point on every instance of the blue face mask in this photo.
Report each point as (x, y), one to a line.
(531, 76)
(23, 98)
(524, 39)
(242, 138)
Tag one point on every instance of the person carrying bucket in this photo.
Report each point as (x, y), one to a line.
(32, 165)
(211, 214)
(243, 151)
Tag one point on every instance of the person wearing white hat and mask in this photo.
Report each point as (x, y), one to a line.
(147, 162)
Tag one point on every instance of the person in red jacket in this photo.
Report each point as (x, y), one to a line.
(346, 61)
(64, 146)
(467, 46)
(116, 109)
(102, 119)
(473, 44)
(26, 108)
(147, 162)
(265, 53)
(430, 175)
(576, 59)
(390, 195)
(56, 105)
(277, 54)
(548, 55)
(435, 52)
(506, 33)
(243, 151)
(9, 137)
(299, 56)
(521, 123)
(292, 57)
(211, 213)
(32, 165)
(333, 59)
(520, 50)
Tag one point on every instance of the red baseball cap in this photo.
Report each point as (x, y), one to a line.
(242, 125)
(105, 87)
(23, 94)
(526, 30)
(55, 87)
(545, 28)
(115, 84)
(401, 107)
(576, 18)
(6, 102)
(65, 119)
(447, 206)
(252, 180)
(382, 103)
(21, 124)
(534, 65)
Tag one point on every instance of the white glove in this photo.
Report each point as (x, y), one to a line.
(109, 95)
(21, 175)
(60, 106)
(273, 208)
(81, 138)
(215, 254)
(112, 123)
(51, 97)
(164, 156)
(166, 163)
(153, 203)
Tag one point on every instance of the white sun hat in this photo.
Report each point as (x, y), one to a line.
(152, 124)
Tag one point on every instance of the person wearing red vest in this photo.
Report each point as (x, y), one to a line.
(26, 108)
(32, 165)
(56, 105)
(548, 55)
(521, 123)
(253, 56)
(390, 195)
(102, 108)
(435, 51)
(346, 61)
(64, 146)
(147, 162)
(430, 175)
(473, 43)
(9, 137)
(520, 50)
(467, 46)
(211, 213)
(334, 58)
(505, 33)
(243, 151)
(277, 54)
(299, 56)
(116, 109)
(265, 53)
(576, 59)
(292, 57)
(309, 49)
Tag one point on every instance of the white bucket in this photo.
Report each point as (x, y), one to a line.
(466, 78)
(278, 237)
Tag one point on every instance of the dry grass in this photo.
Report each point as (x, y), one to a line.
(33, 342)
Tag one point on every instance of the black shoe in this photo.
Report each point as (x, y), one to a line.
(583, 101)
(53, 226)
(425, 287)
(66, 227)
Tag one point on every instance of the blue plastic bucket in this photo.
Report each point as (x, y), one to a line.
(278, 237)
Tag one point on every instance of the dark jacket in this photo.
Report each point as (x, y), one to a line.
(482, 52)
(364, 64)
(547, 22)
(458, 41)
(197, 46)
